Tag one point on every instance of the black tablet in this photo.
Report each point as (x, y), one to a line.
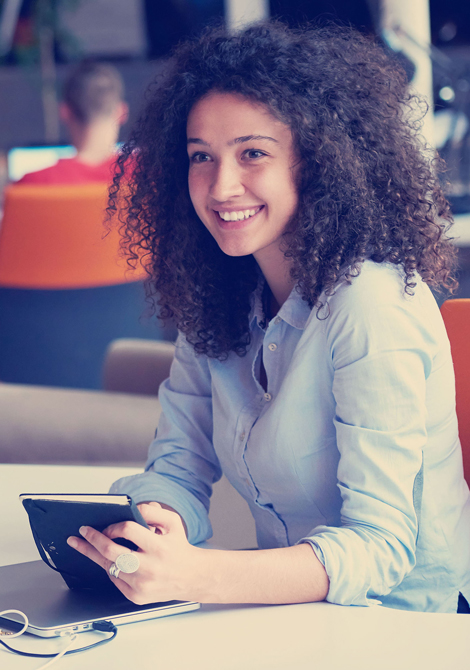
(55, 517)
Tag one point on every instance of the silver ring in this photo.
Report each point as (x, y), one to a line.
(128, 562)
(114, 570)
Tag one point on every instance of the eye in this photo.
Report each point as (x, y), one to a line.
(199, 157)
(253, 154)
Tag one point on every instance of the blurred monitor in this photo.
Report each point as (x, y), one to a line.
(22, 160)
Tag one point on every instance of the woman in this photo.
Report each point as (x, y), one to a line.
(292, 226)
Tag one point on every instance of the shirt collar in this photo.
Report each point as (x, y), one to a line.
(295, 311)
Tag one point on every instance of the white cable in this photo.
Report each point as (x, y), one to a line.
(25, 626)
(109, 628)
(26, 623)
(62, 653)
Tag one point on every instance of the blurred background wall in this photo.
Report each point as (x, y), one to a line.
(40, 40)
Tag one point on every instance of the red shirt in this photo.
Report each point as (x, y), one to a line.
(71, 171)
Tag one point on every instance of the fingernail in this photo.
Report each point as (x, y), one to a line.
(72, 542)
(83, 530)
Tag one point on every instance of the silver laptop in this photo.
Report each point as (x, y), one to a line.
(53, 609)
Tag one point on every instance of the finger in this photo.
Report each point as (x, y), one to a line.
(143, 537)
(83, 547)
(162, 529)
(142, 509)
(124, 587)
(156, 515)
(88, 550)
(150, 502)
(105, 546)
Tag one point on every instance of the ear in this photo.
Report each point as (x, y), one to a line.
(122, 113)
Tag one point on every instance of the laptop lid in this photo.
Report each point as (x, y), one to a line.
(21, 160)
(53, 609)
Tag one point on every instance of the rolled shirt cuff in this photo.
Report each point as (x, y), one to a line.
(350, 580)
(149, 486)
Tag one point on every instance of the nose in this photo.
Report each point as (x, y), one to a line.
(227, 181)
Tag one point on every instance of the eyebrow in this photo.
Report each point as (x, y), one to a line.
(250, 138)
(237, 140)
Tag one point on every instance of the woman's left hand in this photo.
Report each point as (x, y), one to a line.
(170, 568)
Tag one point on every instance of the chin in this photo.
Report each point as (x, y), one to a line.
(236, 254)
(235, 250)
(233, 243)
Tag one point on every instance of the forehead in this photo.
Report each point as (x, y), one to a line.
(233, 115)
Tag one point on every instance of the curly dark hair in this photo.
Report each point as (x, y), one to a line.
(367, 189)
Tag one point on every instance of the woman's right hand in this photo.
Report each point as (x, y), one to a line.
(170, 568)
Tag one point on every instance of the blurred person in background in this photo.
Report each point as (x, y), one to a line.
(93, 109)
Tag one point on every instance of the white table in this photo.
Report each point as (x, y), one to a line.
(314, 636)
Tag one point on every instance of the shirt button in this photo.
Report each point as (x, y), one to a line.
(267, 397)
(242, 437)
(272, 346)
(277, 319)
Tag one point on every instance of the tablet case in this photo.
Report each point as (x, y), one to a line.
(53, 521)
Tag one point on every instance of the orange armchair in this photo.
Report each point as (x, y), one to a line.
(456, 315)
(65, 291)
(52, 237)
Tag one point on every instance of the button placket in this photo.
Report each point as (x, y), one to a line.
(272, 347)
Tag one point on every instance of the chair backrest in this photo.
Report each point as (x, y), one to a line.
(456, 315)
(133, 365)
(53, 237)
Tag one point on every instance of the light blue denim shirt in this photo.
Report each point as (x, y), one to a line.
(353, 447)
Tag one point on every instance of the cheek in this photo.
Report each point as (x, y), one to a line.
(283, 194)
(275, 185)
(294, 200)
(197, 190)
(291, 198)
(191, 186)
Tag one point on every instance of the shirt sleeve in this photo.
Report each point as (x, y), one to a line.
(182, 464)
(381, 349)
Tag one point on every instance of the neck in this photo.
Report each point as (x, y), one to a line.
(96, 141)
(276, 270)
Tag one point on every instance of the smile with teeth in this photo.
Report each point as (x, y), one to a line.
(239, 216)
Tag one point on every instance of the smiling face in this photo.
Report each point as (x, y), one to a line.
(241, 175)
